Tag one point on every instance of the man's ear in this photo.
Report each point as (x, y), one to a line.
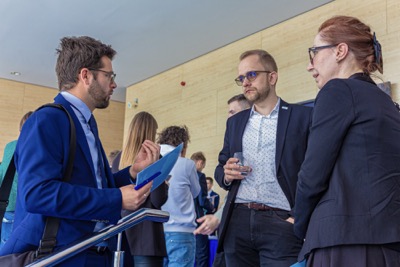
(273, 78)
(85, 75)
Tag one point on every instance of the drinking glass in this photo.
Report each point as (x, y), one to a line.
(239, 156)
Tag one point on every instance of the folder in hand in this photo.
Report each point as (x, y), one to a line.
(159, 171)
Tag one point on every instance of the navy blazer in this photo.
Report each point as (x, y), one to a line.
(349, 184)
(215, 201)
(291, 143)
(40, 158)
(201, 202)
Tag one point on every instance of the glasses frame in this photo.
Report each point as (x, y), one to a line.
(110, 74)
(240, 79)
(312, 51)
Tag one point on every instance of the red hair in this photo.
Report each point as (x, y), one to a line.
(358, 36)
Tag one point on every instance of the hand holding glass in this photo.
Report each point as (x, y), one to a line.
(244, 170)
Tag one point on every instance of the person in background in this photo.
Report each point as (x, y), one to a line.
(237, 103)
(146, 239)
(202, 205)
(8, 220)
(256, 228)
(209, 223)
(348, 194)
(93, 197)
(211, 195)
(184, 187)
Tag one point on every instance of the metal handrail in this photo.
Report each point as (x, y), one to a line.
(98, 237)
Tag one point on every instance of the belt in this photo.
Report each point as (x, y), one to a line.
(98, 249)
(259, 206)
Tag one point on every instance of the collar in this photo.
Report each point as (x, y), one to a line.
(362, 77)
(77, 104)
(275, 110)
(165, 149)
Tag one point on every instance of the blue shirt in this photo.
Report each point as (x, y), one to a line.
(83, 113)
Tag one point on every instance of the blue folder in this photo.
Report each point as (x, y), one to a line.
(159, 171)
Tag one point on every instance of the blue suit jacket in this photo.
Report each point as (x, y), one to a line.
(41, 156)
(291, 143)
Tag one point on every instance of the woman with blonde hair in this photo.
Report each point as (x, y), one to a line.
(146, 240)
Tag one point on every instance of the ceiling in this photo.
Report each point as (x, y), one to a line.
(149, 36)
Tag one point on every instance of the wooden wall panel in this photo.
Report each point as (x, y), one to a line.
(18, 98)
(11, 111)
(201, 104)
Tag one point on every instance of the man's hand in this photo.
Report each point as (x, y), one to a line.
(233, 171)
(208, 225)
(131, 198)
(148, 153)
(290, 220)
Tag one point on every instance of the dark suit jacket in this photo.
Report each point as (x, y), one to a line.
(215, 196)
(201, 202)
(41, 159)
(349, 184)
(291, 143)
(147, 238)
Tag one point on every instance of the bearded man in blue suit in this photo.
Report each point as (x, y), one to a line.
(94, 196)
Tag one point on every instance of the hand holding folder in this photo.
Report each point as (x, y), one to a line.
(159, 171)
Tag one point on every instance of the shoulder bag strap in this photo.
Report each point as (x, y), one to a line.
(49, 241)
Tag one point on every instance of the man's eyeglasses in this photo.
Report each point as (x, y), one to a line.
(110, 74)
(312, 51)
(250, 76)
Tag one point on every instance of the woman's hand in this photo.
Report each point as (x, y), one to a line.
(148, 153)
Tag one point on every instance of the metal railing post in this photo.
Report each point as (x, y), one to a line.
(118, 257)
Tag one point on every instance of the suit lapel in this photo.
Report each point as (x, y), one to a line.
(239, 130)
(80, 135)
(283, 120)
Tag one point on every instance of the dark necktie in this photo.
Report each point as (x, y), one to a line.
(93, 127)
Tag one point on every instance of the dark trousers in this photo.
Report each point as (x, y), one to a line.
(219, 260)
(148, 261)
(260, 238)
(96, 259)
(202, 251)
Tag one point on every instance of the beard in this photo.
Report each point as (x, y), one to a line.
(100, 98)
(258, 95)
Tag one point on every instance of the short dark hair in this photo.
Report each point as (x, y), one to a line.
(24, 118)
(198, 156)
(239, 97)
(174, 136)
(76, 53)
(210, 179)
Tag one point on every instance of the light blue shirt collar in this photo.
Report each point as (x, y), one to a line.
(77, 104)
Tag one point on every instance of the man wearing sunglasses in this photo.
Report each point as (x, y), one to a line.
(256, 227)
